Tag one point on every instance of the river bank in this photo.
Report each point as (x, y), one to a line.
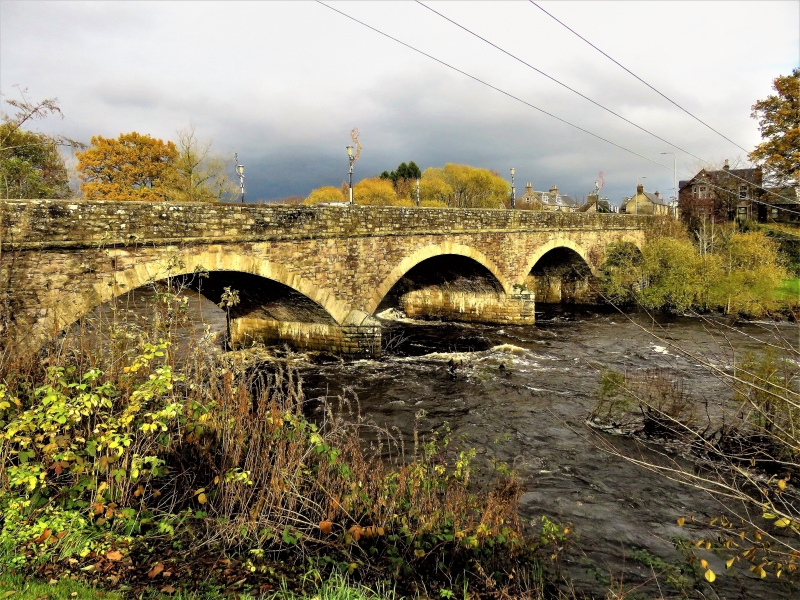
(520, 396)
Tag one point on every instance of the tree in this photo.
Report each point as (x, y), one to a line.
(375, 192)
(434, 191)
(201, 177)
(403, 172)
(131, 167)
(471, 187)
(325, 194)
(779, 122)
(31, 165)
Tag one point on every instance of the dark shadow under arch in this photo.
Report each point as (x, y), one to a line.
(561, 275)
(451, 272)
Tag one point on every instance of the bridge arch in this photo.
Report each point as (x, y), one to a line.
(186, 263)
(425, 253)
(552, 245)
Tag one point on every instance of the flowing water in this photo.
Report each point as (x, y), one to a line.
(521, 395)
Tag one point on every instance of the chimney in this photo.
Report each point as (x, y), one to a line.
(554, 188)
(528, 188)
(727, 165)
(640, 188)
(657, 195)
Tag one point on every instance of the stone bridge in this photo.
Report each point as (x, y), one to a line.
(313, 277)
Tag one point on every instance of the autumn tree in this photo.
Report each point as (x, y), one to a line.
(375, 192)
(200, 175)
(325, 194)
(31, 165)
(471, 187)
(779, 122)
(131, 167)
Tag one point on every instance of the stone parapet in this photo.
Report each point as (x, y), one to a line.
(76, 224)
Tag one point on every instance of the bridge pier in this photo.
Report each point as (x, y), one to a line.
(470, 306)
(357, 337)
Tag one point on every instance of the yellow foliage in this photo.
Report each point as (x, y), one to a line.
(325, 194)
(462, 186)
(131, 167)
(375, 192)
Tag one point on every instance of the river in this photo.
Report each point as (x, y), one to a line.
(521, 395)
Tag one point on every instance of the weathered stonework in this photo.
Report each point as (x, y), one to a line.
(59, 259)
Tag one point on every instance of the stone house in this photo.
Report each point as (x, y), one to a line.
(781, 204)
(726, 194)
(645, 203)
(551, 200)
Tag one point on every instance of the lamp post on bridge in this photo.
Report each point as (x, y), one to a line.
(513, 190)
(417, 191)
(240, 173)
(352, 159)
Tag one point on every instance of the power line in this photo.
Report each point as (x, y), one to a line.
(489, 85)
(668, 99)
(507, 53)
(513, 97)
(562, 84)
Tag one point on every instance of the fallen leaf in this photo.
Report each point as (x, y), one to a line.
(782, 484)
(155, 570)
(681, 521)
(326, 526)
(729, 563)
(201, 498)
(168, 589)
(710, 577)
(114, 555)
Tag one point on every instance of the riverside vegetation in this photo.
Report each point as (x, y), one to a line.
(125, 468)
(743, 448)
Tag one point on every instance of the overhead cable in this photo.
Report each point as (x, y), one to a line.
(513, 97)
(647, 131)
(667, 98)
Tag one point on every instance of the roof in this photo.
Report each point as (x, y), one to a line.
(655, 199)
(752, 176)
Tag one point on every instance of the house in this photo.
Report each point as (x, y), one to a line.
(645, 203)
(551, 200)
(779, 204)
(725, 194)
(597, 203)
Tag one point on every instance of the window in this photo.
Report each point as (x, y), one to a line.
(742, 213)
(775, 213)
(702, 191)
(743, 191)
(694, 190)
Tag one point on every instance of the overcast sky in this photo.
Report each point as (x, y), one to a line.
(283, 84)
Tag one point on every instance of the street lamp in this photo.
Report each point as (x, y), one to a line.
(674, 177)
(417, 191)
(240, 173)
(513, 191)
(352, 159)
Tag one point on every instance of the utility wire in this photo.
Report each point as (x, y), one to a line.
(513, 97)
(647, 131)
(668, 99)
(489, 85)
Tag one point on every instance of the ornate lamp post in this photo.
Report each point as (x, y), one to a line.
(418, 191)
(352, 159)
(240, 173)
(513, 190)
